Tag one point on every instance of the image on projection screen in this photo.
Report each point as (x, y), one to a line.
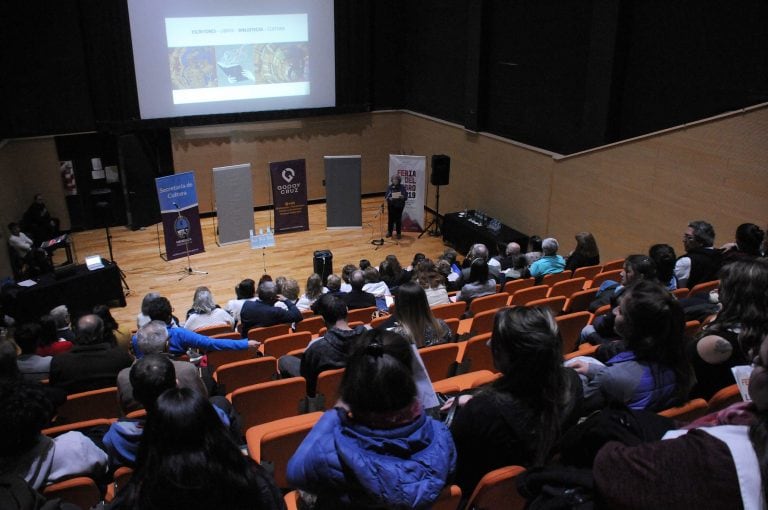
(200, 58)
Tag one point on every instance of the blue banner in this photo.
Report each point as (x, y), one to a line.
(181, 215)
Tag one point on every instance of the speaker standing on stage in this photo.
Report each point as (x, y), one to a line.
(395, 198)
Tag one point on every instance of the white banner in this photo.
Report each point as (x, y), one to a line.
(412, 171)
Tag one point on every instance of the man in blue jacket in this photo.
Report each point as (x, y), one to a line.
(263, 312)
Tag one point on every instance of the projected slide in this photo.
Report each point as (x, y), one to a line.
(196, 57)
(264, 56)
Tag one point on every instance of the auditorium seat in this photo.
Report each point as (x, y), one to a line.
(566, 287)
(449, 310)
(613, 264)
(440, 360)
(599, 278)
(553, 278)
(514, 285)
(555, 304)
(264, 402)
(239, 374)
(489, 302)
(477, 355)
(281, 345)
(523, 296)
(570, 326)
(587, 272)
(89, 405)
(498, 489)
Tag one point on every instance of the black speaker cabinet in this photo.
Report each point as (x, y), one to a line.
(322, 262)
(441, 170)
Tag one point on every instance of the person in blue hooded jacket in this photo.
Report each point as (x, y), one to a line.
(377, 448)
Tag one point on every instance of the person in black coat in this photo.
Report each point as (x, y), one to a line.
(395, 197)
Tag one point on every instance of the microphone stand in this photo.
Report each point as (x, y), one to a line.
(380, 241)
(187, 271)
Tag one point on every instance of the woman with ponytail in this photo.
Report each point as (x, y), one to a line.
(377, 448)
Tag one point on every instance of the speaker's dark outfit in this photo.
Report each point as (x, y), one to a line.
(395, 207)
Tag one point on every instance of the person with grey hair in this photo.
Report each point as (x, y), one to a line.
(263, 312)
(479, 251)
(357, 297)
(92, 363)
(511, 253)
(60, 315)
(143, 318)
(153, 339)
(550, 262)
(702, 260)
(204, 312)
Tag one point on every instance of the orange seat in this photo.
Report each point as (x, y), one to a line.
(311, 324)
(261, 334)
(477, 355)
(725, 397)
(231, 376)
(282, 344)
(218, 358)
(361, 314)
(378, 321)
(78, 425)
(566, 287)
(449, 498)
(498, 489)
(272, 444)
(80, 491)
(120, 479)
(704, 287)
(613, 264)
(570, 326)
(579, 301)
(692, 329)
(599, 278)
(454, 325)
(439, 360)
(553, 278)
(602, 311)
(513, 286)
(232, 335)
(687, 412)
(449, 310)
(489, 302)
(680, 293)
(583, 350)
(587, 272)
(556, 304)
(483, 322)
(137, 414)
(214, 329)
(464, 382)
(326, 390)
(89, 405)
(523, 296)
(263, 402)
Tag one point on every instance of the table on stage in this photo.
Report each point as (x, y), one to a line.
(77, 287)
(460, 231)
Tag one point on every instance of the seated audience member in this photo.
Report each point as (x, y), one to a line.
(364, 264)
(61, 317)
(409, 272)
(652, 373)
(113, 333)
(21, 243)
(357, 297)
(244, 291)
(518, 270)
(180, 339)
(664, 256)
(375, 286)
(478, 283)
(334, 285)
(550, 262)
(391, 271)
(585, 254)
(263, 312)
(510, 254)
(479, 252)
(414, 319)
(289, 288)
(748, 245)
(312, 292)
(519, 418)
(346, 274)
(432, 282)
(534, 252)
(186, 459)
(701, 260)
(40, 460)
(721, 466)
(9, 371)
(327, 352)
(143, 318)
(377, 449)
(205, 312)
(153, 339)
(32, 366)
(740, 325)
(39, 221)
(92, 363)
(451, 277)
(49, 343)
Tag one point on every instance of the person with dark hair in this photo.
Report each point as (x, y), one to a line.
(312, 292)
(433, 283)
(534, 252)
(395, 196)
(374, 285)
(346, 274)
(186, 459)
(478, 284)
(328, 352)
(39, 222)
(49, 343)
(414, 319)
(740, 326)
(32, 366)
(113, 333)
(585, 254)
(357, 297)
(652, 373)
(391, 271)
(92, 363)
(636, 267)
(180, 339)
(377, 448)
(364, 264)
(263, 312)
(664, 256)
(40, 460)
(701, 260)
(478, 251)
(244, 291)
(724, 465)
(143, 317)
(519, 418)
(748, 245)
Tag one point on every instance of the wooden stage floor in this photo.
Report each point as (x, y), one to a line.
(137, 254)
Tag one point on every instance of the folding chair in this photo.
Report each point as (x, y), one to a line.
(449, 310)
(523, 296)
(239, 374)
(489, 302)
(725, 397)
(513, 286)
(439, 360)
(553, 278)
(566, 287)
(361, 314)
(282, 344)
(264, 402)
(215, 329)
(687, 412)
(80, 491)
(570, 326)
(120, 479)
(311, 324)
(89, 405)
(498, 489)
(272, 444)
